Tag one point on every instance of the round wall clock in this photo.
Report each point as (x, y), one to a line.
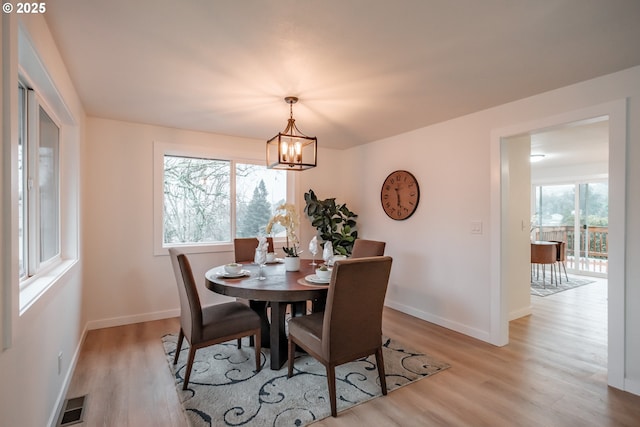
(400, 195)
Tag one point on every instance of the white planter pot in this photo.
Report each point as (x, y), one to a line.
(292, 263)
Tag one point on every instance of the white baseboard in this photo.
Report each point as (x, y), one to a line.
(98, 324)
(53, 418)
(632, 386)
(454, 326)
(128, 320)
(516, 314)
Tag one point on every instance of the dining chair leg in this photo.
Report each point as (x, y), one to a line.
(331, 383)
(187, 372)
(179, 346)
(292, 351)
(258, 347)
(381, 373)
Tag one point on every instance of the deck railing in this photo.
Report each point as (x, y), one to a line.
(594, 253)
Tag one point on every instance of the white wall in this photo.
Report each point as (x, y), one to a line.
(516, 232)
(442, 272)
(31, 387)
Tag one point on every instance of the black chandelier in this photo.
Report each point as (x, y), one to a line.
(291, 149)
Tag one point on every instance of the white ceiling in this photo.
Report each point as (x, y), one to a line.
(574, 144)
(363, 69)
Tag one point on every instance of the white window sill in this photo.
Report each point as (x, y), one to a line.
(32, 289)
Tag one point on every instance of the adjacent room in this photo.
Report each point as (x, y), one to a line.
(292, 213)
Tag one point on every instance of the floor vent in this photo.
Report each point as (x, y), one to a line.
(72, 411)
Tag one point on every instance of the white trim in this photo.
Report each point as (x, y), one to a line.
(441, 321)
(522, 312)
(617, 113)
(34, 287)
(62, 394)
(136, 318)
(632, 386)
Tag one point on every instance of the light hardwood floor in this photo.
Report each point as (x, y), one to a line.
(552, 373)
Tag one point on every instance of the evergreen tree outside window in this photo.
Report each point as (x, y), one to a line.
(258, 192)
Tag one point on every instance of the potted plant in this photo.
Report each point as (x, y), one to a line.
(335, 222)
(287, 217)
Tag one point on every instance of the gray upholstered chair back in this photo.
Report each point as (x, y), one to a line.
(366, 248)
(353, 314)
(190, 307)
(244, 248)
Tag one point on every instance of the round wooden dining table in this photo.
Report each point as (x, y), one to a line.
(279, 288)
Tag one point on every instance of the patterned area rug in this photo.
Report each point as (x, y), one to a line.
(538, 289)
(224, 389)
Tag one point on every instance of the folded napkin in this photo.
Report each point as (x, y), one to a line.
(327, 253)
(313, 246)
(261, 250)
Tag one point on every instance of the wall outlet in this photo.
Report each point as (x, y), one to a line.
(59, 363)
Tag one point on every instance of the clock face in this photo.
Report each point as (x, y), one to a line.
(400, 195)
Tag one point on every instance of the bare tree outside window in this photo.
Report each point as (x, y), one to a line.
(196, 200)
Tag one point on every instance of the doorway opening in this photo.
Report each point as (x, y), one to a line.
(616, 113)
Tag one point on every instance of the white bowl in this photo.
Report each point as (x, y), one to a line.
(233, 268)
(323, 274)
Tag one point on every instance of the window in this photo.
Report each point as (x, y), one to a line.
(196, 200)
(259, 191)
(38, 187)
(208, 201)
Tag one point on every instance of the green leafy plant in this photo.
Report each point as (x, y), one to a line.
(335, 222)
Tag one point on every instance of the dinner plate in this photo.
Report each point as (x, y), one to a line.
(275, 261)
(315, 279)
(226, 275)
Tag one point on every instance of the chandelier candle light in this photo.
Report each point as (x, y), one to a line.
(291, 149)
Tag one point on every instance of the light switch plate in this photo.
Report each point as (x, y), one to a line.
(476, 227)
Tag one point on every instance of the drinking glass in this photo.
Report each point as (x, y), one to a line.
(313, 248)
(261, 259)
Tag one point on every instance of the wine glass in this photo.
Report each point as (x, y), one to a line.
(261, 259)
(313, 248)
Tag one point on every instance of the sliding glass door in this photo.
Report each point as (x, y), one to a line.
(577, 214)
(593, 223)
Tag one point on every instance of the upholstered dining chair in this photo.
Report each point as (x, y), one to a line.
(205, 326)
(544, 254)
(244, 248)
(341, 334)
(366, 248)
(561, 258)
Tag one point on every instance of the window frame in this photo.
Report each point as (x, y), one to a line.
(160, 149)
(34, 267)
